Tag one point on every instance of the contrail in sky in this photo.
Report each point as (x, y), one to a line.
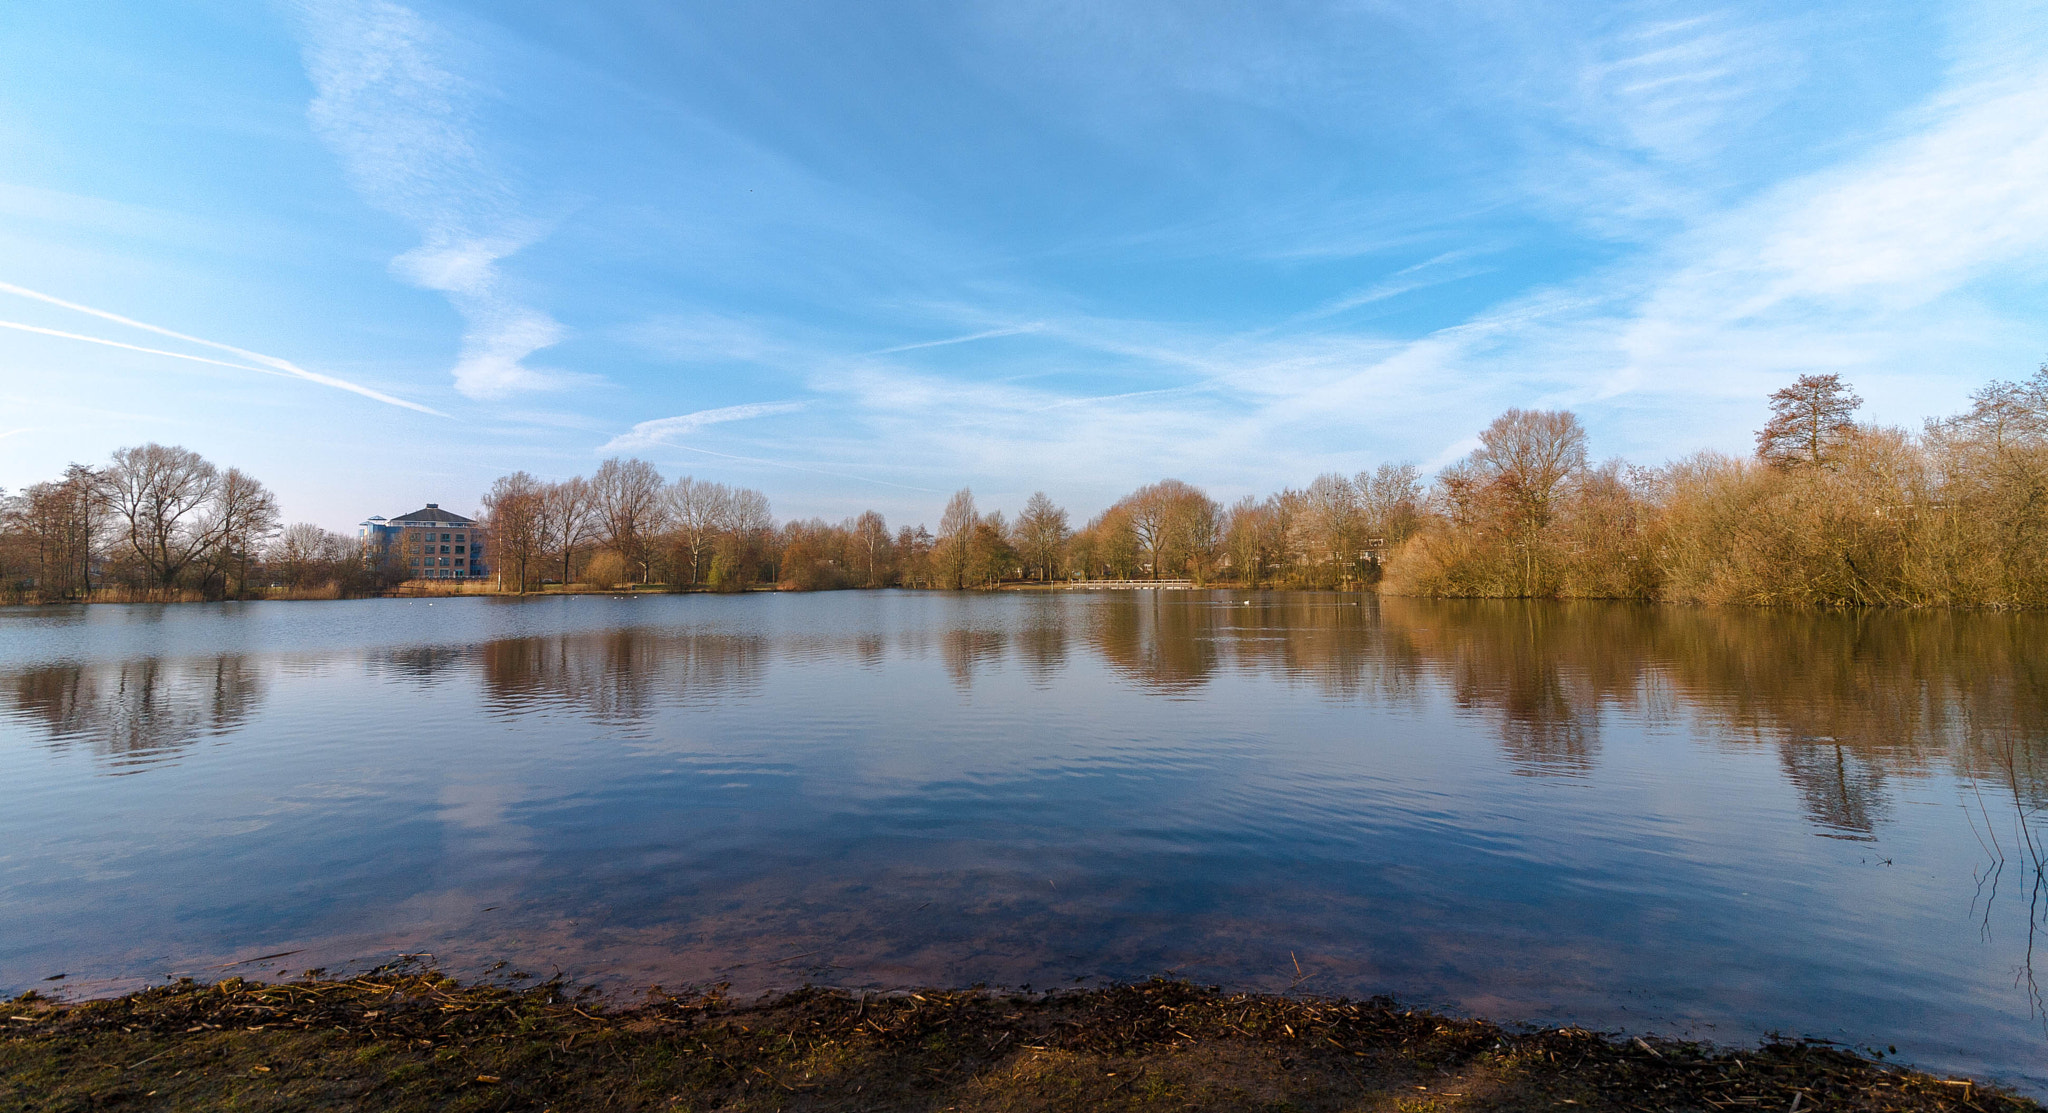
(270, 365)
(989, 335)
(137, 347)
(658, 431)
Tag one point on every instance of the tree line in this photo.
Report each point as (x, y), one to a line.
(155, 521)
(1827, 511)
(625, 523)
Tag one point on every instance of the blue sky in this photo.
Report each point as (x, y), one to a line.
(859, 255)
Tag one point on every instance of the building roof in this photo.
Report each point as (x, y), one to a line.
(432, 513)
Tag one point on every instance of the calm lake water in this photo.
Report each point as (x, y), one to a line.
(1700, 822)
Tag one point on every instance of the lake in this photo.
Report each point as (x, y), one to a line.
(1697, 822)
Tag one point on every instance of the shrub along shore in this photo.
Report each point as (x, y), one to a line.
(399, 1040)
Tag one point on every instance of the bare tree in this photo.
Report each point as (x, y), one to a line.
(2002, 415)
(243, 518)
(1809, 420)
(515, 510)
(567, 515)
(305, 556)
(1391, 498)
(1993, 461)
(989, 555)
(743, 545)
(698, 510)
(85, 520)
(1042, 534)
(1244, 526)
(159, 495)
(956, 534)
(750, 512)
(61, 523)
(913, 552)
(1174, 523)
(299, 554)
(628, 496)
(1328, 523)
(1527, 456)
(871, 540)
(1108, 546)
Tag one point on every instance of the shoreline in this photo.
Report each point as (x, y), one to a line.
(401, 1039)
(1075, 587)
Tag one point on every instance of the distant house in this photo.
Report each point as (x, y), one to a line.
(429, 544)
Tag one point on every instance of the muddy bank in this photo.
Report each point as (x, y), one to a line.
(410, 1041)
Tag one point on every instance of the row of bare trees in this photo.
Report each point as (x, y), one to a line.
(156, 520)
(626, 524)
(1829, 511)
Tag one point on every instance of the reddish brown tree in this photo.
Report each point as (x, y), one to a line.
(515, 509)
(1810, 420)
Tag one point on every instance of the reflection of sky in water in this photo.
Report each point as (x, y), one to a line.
(1602, 814)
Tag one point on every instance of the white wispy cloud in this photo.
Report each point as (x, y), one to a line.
(1865, 265)
(668, 430)
(268, 365)
(1879, 266)
(1678, 88)
(403, 123)
(1871, 266)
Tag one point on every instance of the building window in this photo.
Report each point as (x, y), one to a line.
(458, 537)
(444, 537)
(458, 548)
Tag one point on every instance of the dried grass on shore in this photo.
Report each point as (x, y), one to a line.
(402, 1041)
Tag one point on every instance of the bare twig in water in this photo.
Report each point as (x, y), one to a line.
(258, 958)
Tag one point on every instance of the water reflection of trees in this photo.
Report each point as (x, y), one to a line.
(1849, 701)
(422, 662)
(623, 674)
(968, 649)
(1544, 673)
(1854, 698)
(139, 711)
(1042, 641)
(1163, 642)
(2014, 836)
(1843, 790)
(1330, 642)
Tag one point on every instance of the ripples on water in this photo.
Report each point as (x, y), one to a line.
(1693, 821)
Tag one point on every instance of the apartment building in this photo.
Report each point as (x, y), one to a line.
(430, 544)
